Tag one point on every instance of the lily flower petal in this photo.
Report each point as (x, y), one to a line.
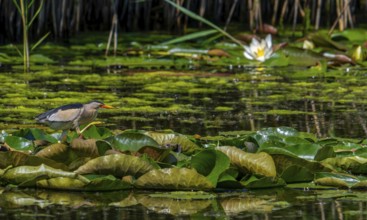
(259, 50)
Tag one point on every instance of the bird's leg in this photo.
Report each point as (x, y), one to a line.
(77, 129)
(63, 136)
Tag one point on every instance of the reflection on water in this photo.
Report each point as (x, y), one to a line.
(330, 103)
(268, 204)
(195, 102)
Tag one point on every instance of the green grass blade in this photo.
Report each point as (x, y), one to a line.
(40, 41)
(30, 4)
(203, 20)
(190, 37)
(17, 49)
(17, 6)
(35, 15)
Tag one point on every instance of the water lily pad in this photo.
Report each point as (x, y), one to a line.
(58, 152)
(84, 148)
(26, 174)
(94, 132)
(19, 143)
(210, 163)
(132, 141)
(335, 179)
(16, 158)
(294, 169)
(101, 183)
(174, 179)
(174, 141)
(355, 164)
(258, 163)
(264, 182)
(35, 134)
(118, 165)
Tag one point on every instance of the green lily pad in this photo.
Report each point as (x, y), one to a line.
(210, 163)
(85, 148)
(100, 183)
(263, 182)
(25, 174)
(132, 141)
(118, 165)
(335, 179)
(58, 152)
(19, 143)
(258, 163)
(16, 158)
(355, 164)
(294, 169)
(174, 141)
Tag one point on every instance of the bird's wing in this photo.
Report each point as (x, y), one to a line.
(63, 113)
(66, 115)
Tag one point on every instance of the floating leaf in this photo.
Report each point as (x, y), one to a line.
(264, 182)
(174, 179)
(63, 183)
(103, 146)
(174, 141)
(294, 169)
(16, 158)
(354, 164)
(21, 174)
(300, 57)
(335, 179)
(227, 180)
(35, 134)
(94, 132)
(117, 165)
(84, 148)
(19, 143)
(58, 152)
(132, 141)
(106, 183)
(258, 163)
(157, 154)
(321, 39)
(101, 183)
(210, 163)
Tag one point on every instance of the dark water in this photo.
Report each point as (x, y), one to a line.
(326, 103)
(195, 102)
(262, 204)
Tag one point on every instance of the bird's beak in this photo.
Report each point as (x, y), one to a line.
(106, 106)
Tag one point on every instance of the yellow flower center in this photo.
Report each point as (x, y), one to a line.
(260, 52)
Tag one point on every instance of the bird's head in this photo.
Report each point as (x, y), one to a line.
(97, 105)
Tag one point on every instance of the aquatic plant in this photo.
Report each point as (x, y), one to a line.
(270, 157)
(24, 8)
(259, 51)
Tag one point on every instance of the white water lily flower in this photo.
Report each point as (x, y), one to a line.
(260, 51)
